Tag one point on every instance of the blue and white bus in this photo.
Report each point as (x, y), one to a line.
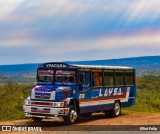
(69, 91)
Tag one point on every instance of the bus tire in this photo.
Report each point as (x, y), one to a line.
(72, 117)
(86, 115)
(35, 119)
(115, 112)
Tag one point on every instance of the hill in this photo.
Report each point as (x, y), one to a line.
(18, 72)
(149, 65)
(137, 62)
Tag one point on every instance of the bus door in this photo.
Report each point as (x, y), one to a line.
(84, 80)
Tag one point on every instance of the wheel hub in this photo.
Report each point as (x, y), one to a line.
(73, 115)
(117, 109)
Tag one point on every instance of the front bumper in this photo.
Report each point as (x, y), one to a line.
(44, 112)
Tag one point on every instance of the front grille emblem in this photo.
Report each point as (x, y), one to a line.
(42, 96)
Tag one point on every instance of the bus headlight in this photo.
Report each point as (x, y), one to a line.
(27, 101)
(59, 104)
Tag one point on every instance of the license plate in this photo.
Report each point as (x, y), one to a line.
(39, 109)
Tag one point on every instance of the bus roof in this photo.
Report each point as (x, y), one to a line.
(65, 65)
(102, 67)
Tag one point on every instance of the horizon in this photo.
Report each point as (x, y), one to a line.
(81, 60)
(38, 31)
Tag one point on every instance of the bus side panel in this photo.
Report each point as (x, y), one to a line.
(133, 91)
(74, 92)
(100, 99)
(96, 108)
(131, 99)
(130, 102)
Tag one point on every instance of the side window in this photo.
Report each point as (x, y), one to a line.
(119, 77)
(96, 78)
(84, 80)
(108, 78)
(129, 77)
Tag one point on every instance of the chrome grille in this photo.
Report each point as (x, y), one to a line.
(42, 96)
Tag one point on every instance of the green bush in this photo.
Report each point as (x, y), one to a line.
(147, 95)
(12, 97)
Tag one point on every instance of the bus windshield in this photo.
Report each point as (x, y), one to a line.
(45, 76)
(62, 77)
(65, 77)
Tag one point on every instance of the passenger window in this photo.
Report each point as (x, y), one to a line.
(96, 78)
(119, 77)
(108, 78)
(97, 81)
(129, 77)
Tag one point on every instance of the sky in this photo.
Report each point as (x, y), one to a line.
(37, 31)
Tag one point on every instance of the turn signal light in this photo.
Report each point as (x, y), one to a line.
(62, 104)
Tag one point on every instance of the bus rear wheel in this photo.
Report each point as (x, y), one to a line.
(115, 112)
(71, 118)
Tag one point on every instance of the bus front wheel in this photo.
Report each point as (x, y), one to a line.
(71, 118)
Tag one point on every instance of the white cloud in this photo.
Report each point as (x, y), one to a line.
(50, 46)
(7, 6)
(139, 40)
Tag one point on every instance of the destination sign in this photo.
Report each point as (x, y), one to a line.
(54, 65)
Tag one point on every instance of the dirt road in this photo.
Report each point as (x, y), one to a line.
(95, 122)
